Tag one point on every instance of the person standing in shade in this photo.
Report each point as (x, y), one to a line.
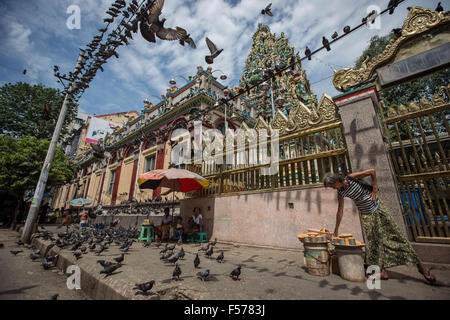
(386, 245)
(165, 224)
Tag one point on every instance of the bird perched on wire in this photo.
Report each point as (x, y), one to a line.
(334, 35)
(236, 273)
(326, 43)
(176, 273)
(439, 8)
(392, 5)
(203, 275)
(214, 51)
(267, 10)
(346, 29)
(308, 53)
(144, 287)
(196, 261)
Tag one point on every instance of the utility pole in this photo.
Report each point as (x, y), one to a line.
(40, 188)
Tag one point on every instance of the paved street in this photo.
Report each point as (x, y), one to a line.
(22, 279)
(266, 274)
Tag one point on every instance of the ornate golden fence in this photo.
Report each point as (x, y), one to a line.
(311, 143)
(418, 136)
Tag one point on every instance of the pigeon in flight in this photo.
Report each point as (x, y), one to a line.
(214, 51)
(186, 38)
(267, 11)
(25, 71)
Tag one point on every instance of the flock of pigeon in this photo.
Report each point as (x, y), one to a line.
(96, 241)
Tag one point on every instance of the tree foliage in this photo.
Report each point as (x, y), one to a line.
(32, 110)
(21, 161)
(405, 93)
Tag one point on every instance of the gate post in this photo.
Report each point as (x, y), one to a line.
(365, 144)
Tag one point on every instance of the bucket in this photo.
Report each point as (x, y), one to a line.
(351, 263)
(316, 259)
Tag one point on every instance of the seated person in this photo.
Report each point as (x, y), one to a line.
(165, 224)
(196, 223)
(179, 229)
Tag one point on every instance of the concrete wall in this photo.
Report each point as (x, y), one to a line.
(366, 148)
(266, 218)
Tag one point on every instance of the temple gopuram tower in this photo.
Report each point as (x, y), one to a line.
(268, 54)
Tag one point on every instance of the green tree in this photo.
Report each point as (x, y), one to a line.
(32, 110)
(415, 90)
(21, 162)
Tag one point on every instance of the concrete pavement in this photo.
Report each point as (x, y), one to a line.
(266, 274)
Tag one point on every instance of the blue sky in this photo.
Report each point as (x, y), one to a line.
(35, 37)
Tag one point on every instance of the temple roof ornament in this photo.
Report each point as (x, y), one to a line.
(419, 21)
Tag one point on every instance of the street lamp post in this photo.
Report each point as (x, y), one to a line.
(40, 188)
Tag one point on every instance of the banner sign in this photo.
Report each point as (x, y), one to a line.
(98, 129)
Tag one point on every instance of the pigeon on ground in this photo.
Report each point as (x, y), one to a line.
(37, 251)
(125, 249)
(196, 261)
(144, 287)
(439, 8)
(165, 256)
(214, 242)
(220, 257)
(54, 297)
(165, 249)
(147, 243)
(209, 252)
(33, 257)
(77, 254)
(236, 273)
(47, 265)
(203, 275)
(173, 260)
(2, 245)
(181, 254)
(51, 258)
(83, 249)
(119, 259)
(326, 43)
(214, 51)
(20, 243)
(110, 269)
(176, 273)
(267, 11)
(104, 263)
(205, 248)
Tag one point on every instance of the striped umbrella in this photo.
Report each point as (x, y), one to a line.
(175, 179)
